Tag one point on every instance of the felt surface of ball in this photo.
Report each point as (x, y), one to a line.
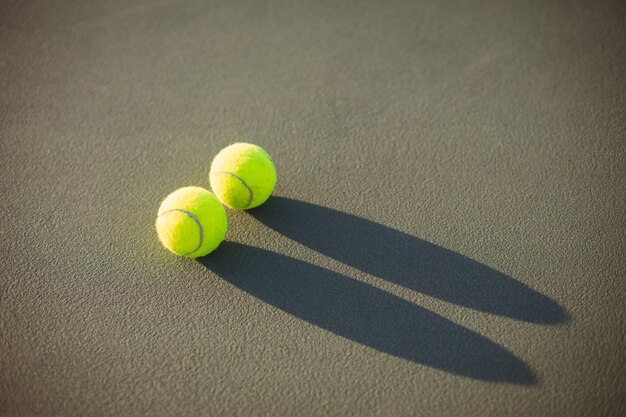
(191, 222)
(242, 176)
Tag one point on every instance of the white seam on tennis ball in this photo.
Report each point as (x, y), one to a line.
(242, 181)
(195, 219)
(268, 155)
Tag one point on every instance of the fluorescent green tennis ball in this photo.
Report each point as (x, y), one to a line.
(242, 176)
(191, 222)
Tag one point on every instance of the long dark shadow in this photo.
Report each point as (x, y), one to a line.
(365, 314)
(407, 261)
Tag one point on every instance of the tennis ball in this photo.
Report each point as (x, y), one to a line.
(191, 222)
(242, 176)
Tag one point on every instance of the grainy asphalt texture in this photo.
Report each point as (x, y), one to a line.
(447, 236)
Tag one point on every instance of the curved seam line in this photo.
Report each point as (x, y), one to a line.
(242, 181)
(195, 219)
(268, 155)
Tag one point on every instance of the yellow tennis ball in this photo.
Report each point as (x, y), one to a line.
(242, 176)
(191, 222)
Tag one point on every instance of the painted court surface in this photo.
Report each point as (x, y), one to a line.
(447, 235)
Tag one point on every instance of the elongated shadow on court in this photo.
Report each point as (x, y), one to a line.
(364, 314)
(408, 261)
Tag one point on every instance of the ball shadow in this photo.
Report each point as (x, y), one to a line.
(367, 315)
(407, 261)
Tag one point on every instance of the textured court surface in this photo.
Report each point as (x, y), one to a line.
(447, 236)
